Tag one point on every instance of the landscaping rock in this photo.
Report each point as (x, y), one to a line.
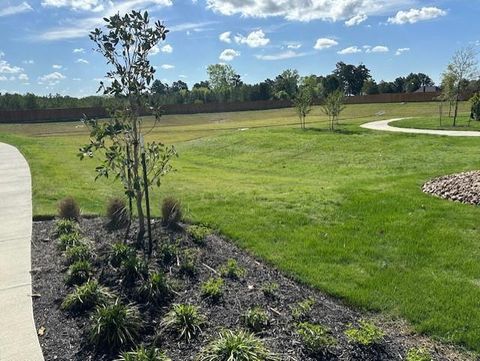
(461, 187)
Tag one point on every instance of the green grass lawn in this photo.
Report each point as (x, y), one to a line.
(341, 211)
(433, 122)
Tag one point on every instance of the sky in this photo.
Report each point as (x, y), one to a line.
(45, 47)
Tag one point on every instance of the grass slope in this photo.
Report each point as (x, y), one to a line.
(340, 211)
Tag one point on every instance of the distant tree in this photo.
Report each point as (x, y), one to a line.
(412, 83)
(220, 76)
(236, 80)
(386, 87)
(352, 77)
(398, 85)
(286, 84)
(159, 88)
(30, 101)
(313, 85)
(425, 80)
(178, 86)
(333, 106)
(202, 84)
(303, 104)
(330, 84)
(370, 87)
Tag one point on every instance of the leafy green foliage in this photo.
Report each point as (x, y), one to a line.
(68, 208)
(114, 326)
(475, 106)
(155, 289)
(79, 252)
(270, 289)
(236, 346)
(198, 233)
(69, 240)
(301, 311)
(78, 273)
(212, 289)
(188, 262)
(256, 319)
(133, 268)
(117, 214)
(418, 354)
(119, 253)
(171, 212)
(367, 334)
(144, 354)
(333, 106)
(303, 105)
(185, 320)
(317, 339)
(86, 296)
(232, 270)
(65, 226)
(168, 253)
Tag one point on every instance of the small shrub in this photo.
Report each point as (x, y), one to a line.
(418, 354)
(69, 240)
(213, 289)
(155, 289)
(68, 209)
(301, 311)
(65, 226)
(133, 268)
(185, 320)
(80, 252)
(232, 270)
(475, 107)
(115, 326)
(270, 289)
(144, 354)
(171, 212)
(119, 253)
(236, 346)
(86, 296)
(117, 214)
(188, 262)
(78, 273)
(317, 339)
(168, 253)
(367, 334)
(256, 319)
(198, 234)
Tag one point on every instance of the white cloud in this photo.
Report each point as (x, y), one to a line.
(225, 37)
(167, 66)
(400, 51)
(294, 46)
(183, 76)
(81, 61)
(76, 79)
(85, 5)
(324, 43)
(302, 10)
(377, 49)
(23, 77)
(79, 50)
(255, 39)
(52, 78)
(3, 78)
(350, 50)
(15, 9)
(228, 55)
(166, 49)
(356, 20)
(56, 66)
(415, 15)
(28, 62)
(6, 68)
(280, 56)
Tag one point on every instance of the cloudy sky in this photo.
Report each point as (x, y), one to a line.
(45, 48)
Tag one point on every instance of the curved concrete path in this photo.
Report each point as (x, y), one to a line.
(383, 125)
(18, 336)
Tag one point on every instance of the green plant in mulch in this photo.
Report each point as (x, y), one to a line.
(185, 320)
(80, 252)
(270, 289)
(188, 262)
(119, 253)
(198, 233)
(65, 226)
(418, 354)
(132, 269)
(69, 240)
(301, 311)
(155, 289)
(86, 297)
(114, 326)
(212, 289)
(316, 339)
(236, 346)
(167, 253)
(256, 319)
(144, 354)
(78, 273)
(232, 270)
(366, 334)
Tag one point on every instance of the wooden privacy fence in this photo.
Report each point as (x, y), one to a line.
(75, 114)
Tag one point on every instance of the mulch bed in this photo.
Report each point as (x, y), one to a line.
(65, 337)
(461, 187)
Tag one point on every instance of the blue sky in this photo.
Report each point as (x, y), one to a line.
(45, 46)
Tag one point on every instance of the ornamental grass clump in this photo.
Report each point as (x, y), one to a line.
(188, 262)
(133, 269)
(168, 253)
(236, 346)
(68, 208)
(171, 212)
(316, 339)
(155, 289)
(232, 270)
(270, 289)
(65, 226)
(144, 354)
(86, 297)
(185, 320)
(117, 214)
(115, 326)
(301, 311)
(119, 253)
(366, 334)
(212, 289)
(79, 252)
(78, 273)
(256, 319)
(418, 354)
(69, 240)
(198, 234)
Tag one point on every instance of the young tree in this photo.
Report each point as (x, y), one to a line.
(333, 106)
(126, 43)
(462, 68)
(448, 90)
(303, 105)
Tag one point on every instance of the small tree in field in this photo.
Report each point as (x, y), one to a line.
(126, 43)
(333, 106)
(475, 107)
(303, 105)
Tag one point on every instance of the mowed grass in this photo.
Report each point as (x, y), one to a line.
(433, 122)
(341, 211)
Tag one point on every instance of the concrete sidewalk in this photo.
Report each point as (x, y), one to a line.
(18, 336)
(383, 125)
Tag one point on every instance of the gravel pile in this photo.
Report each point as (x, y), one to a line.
(461, 187)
